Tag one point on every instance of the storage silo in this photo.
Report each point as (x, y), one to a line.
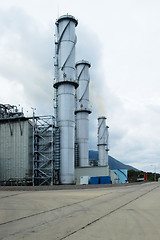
(65, 94)
(82, 111)
(102, 142)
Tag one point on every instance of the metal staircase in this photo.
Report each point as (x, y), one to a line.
(43, 150)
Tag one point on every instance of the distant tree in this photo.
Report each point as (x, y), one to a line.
(133, 175)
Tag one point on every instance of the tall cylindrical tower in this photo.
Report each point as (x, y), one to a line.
(102, 142)
(82, 111)
(65, 94)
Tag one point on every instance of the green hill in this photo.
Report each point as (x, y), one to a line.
(113, 163)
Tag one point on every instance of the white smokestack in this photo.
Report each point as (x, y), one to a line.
(65, 94)
(82, 111)
(102, 142)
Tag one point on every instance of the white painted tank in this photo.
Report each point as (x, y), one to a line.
(82, 111)
(102, 142)
(65, 85)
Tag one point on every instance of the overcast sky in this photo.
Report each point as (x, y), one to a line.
(121, 40)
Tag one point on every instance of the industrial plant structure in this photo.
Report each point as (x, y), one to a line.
(26, 148)
(102, 141)
(82, 112)
(54, 150)
(15, 145)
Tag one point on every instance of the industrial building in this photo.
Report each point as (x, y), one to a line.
(26, 148)
(16, 136)
(47, 150)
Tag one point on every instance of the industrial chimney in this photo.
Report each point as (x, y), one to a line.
(65, 93)
(82, 111)
(102, 142)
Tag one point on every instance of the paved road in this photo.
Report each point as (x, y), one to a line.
(130, 212)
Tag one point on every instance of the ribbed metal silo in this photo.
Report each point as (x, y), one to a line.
(102, 142)
(82, 110)
(65, 94)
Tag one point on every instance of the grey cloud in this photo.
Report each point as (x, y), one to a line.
(124, 74)
(28, 57)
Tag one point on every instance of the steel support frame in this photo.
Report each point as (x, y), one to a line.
(43, 150)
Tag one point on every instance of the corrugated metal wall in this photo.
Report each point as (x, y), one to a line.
(15, 149)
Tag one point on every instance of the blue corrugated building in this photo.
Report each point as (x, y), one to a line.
(121, 175)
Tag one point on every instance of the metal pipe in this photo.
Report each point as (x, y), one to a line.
(82, 111)
(102, 142)
(65, 85)
(33, 156)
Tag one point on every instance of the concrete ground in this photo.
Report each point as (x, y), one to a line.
(125, 212)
